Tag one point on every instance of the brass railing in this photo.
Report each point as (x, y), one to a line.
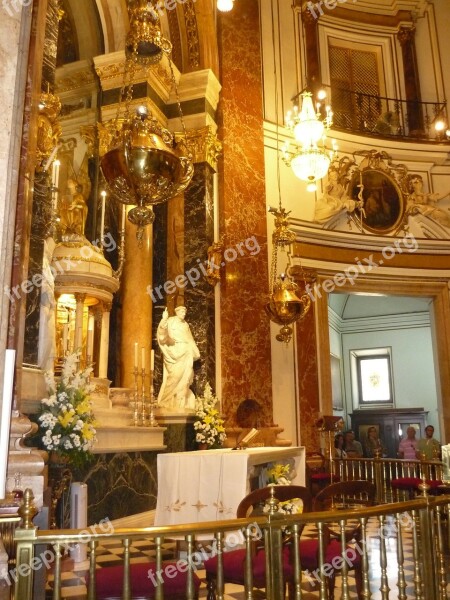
(382, 116)
(382, 471)
(416, 532)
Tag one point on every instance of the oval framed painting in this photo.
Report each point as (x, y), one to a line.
(383, 200)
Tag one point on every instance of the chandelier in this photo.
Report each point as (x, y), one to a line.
(144, 165)
(284, 306)
(309, 159)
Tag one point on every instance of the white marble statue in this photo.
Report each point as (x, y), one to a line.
(424, 203)
(47, 315)
(334, 201)
(179, 352)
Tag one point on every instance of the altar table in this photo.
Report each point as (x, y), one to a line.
(207, 485)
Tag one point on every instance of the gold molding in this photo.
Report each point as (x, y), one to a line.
(48, 128)
(204, 146)
(193, 44)
(72, 82)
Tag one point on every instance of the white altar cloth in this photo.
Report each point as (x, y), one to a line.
(207, 485)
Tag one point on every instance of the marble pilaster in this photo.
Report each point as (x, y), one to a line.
(245, 334)
(199, 298)
(308, 383)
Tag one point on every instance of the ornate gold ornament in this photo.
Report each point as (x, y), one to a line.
(144, 42)
(49, 130)
(144, 165)
(284, 306)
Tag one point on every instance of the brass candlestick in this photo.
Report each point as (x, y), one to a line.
(143, 410)
(136, 398)
(151, 418)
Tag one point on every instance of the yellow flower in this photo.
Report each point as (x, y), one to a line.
(87, 432)
(83, 407)
(66, 418)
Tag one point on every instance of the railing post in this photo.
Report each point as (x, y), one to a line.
(24, 536)
(379, 480)
(274, 550)
(430, 589)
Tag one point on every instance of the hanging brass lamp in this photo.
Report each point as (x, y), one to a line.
(146, 168)
(144, 42)
(144, 165)
(285, 306)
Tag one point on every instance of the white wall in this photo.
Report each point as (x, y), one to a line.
(412, 367)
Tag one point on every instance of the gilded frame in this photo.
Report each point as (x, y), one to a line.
(383, 202)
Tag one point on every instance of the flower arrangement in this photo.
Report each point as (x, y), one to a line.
(279, 474)
(288, 507)
(208, 425)
(66, 421)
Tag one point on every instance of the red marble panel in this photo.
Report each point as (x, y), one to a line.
(245, 332)
(308, 384)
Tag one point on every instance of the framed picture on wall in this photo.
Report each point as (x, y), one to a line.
(336, 383)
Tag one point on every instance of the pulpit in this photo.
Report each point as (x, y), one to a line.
(208, 485)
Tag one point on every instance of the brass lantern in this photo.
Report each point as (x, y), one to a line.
(284, 306)
(144, 42)
(144, 166)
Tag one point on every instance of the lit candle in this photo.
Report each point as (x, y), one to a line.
(142, 358)
(135, 355)
(50, 158)
(152, 360)
(102, 221)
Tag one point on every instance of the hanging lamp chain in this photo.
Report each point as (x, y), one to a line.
(177, 96)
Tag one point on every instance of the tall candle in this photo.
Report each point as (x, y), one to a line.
(142, 358)
(124, 212)
(152, 360)
(135, 355)
(102, 221)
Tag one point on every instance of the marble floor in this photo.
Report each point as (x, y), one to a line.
(73, 582)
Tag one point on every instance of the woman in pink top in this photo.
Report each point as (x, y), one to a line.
(408, 447)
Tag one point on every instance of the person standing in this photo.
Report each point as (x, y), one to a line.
(179, 352)
(408, 446)
(352, 447)
(373, 445)
(428, 448)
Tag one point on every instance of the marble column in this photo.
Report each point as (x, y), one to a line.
(406, 37)
(104, 342)
(245, 330)
(136, 324)
(78, 339)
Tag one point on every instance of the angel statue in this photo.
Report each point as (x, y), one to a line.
(424, 203)
(73, 208)
(335, 200)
